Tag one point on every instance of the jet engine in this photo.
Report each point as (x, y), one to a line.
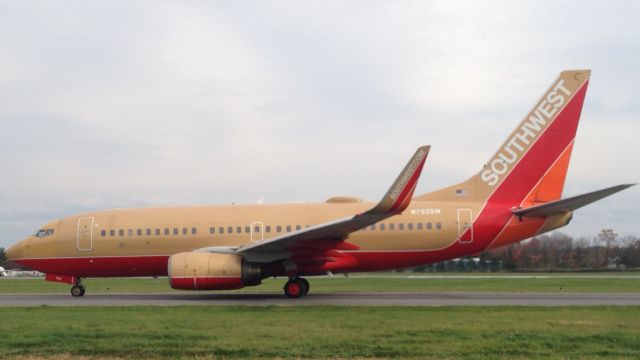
(211, 271)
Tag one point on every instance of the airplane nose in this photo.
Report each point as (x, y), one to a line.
(15, 251)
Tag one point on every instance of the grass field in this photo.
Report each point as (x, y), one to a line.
(322, 332)
(592, 282)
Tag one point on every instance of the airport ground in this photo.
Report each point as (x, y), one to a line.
(386, 282)
(321, 332)
(431, 332)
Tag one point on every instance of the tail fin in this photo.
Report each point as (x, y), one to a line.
(531, 165)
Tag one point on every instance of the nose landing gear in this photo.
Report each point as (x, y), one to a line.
(296, 287)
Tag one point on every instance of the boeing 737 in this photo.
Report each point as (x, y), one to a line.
(516, 195)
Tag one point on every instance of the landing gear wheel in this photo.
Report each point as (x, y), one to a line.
(77, 291)
(307, 286)
(295, 288)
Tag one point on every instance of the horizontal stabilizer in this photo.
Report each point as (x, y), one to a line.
(569, 204)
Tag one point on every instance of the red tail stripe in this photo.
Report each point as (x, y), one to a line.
(527, 172)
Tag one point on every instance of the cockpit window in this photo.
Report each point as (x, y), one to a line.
(43, 233)
(40, 233)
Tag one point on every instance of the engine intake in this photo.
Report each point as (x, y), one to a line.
(211, 271)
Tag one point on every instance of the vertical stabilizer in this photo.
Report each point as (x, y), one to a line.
(532, 163)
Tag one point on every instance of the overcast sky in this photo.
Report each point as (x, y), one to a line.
(143, 103)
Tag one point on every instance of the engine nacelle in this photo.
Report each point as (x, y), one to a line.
(211, 271)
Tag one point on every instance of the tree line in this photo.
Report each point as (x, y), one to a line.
(558, 251)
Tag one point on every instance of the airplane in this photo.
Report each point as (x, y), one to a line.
(516, 195)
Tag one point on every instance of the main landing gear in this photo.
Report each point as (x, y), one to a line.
(77, 290)
(296, 287)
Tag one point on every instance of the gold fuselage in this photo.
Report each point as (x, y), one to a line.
(422, 226)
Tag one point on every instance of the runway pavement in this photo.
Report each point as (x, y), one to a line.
(349, 299)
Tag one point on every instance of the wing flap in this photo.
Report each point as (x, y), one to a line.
(568, 204)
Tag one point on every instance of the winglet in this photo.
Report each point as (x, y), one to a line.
(399, 195)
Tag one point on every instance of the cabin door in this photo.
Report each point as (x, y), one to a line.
(465, 226)
(85, 234)
(257, 231)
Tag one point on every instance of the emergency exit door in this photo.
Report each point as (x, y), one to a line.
(257, 231)
(85, 234)
(465, 226)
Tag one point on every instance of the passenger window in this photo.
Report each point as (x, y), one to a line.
(288, 228)
(139, 232)
(373, 227)
(381, 227)
(112, 233)
(428, 226)
(410, 226)
(185, 231)
(130, 232)
(148, 232)
(392, 227)
(401, 226)
(221, 230)
(239, 229)
(247, 229)
(419, 226)
(278, 228)
(121, 232)
(298, 227)
(256, 229)
(438, 226)
(229, 230)
(176, 231)
(267, 228)
(157, 231)
(167, 231)
(103, 233)
(194, 231)
(212, 230)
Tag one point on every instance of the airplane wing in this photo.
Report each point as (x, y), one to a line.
(394, 202)
(568, 204)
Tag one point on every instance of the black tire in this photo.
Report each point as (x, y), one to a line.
(307, 286)
(294, 289)
(77, 291)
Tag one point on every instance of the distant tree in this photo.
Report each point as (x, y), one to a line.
(608, 237)
(630, 255)
(532, 255)
(3, 257)
(581, 252)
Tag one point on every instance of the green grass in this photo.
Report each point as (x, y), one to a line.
(603, 282)
(322, 332)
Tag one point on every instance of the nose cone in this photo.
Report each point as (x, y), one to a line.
(16, 251)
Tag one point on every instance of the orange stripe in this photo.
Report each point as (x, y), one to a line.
(551, 185)
(517, 230)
